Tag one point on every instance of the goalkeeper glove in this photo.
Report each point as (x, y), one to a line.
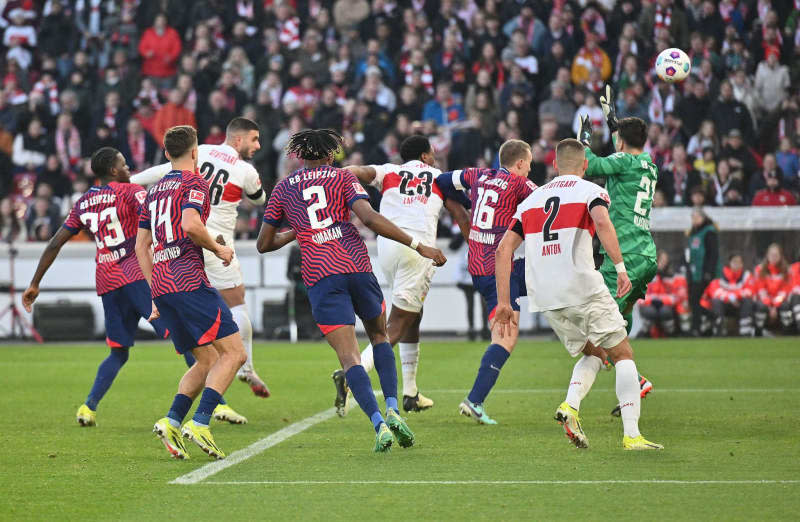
(585, 132)
(607, 104)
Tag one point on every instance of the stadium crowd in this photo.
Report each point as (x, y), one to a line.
(80, 74)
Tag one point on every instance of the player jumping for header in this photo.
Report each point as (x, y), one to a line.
(557, 223)
(631, 177)
(110, 212)
(494, 194)
(316, 202)
(412, 201)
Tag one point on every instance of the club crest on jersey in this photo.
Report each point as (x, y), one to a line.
(359, 189)
(196, 196)
(605, 197)
(140, 196)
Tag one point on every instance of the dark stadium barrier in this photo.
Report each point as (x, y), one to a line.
(64, 321)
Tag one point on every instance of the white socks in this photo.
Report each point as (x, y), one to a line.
(628, 394)
(583, 376)
(242, 320)
(409, 358)
(366, 359)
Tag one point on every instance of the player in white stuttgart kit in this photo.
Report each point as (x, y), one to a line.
(412, 201)
(230, 178)
(557, 223)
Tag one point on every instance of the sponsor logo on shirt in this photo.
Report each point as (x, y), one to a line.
(359, 189)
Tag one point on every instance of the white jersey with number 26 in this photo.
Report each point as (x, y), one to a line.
(411, 200)
(229, 179)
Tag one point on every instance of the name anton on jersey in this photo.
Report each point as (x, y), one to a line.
(551, 249)
(167, 254)
(111, 257)
(327, 235)
(97, 200)
(481, 237)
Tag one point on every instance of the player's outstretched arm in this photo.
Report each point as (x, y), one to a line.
(269, 239)
(364, 174)
(152, 175)
(503, 263)
(193, 226)
(48, 256)
(459, 215)
(608, 238)
(383, 227)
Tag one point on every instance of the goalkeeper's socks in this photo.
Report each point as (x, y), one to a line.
(583, 376)
(387, 372)
(493, 360)
(358, 381)
(106, 373)
(190, 360)
(208, 401)
(180, 407)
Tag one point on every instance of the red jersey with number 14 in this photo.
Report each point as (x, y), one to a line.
(110, 213)
(316, 203)
(177, 262)
(494, 194)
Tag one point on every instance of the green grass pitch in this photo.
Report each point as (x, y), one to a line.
(743, 428)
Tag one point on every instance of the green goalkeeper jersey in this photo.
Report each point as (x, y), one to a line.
(630, 183)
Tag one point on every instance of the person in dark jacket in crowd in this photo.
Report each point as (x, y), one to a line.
(702, 255)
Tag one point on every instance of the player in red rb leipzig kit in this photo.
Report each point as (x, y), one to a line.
(172, 224)
(316, 202)
(110, 212)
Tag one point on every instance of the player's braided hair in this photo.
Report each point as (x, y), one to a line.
(314, 144)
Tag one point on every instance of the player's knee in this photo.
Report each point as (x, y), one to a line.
(121, 354)
(620, 352)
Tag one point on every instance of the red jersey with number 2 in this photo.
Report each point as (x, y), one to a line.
(316, 203)
(494, 194)
(177, 262)
(110, 213)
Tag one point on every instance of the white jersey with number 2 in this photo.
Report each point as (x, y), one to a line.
(558, 231)
(229, 179)
(411, 200)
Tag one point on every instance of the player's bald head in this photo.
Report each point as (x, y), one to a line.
(570, 158)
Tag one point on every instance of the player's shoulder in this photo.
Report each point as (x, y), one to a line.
(190, 179)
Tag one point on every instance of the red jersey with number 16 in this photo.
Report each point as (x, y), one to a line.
(177, 262)
(109, 213)
(494, 194)
(316, 203)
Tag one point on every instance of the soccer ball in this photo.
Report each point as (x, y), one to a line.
(673, 65)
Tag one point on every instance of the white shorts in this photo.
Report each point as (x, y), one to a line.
(220, 276)
(597, 321)
(408, 273)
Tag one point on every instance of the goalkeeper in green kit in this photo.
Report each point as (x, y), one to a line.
(630, 177)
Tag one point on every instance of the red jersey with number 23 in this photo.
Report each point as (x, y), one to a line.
(110, 213)
(494, 194)
(177, 262)
(316, 203)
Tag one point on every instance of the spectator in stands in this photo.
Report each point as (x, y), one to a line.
(731, 294)
(43, 217)
(789, 163)
(695, 107)
(53, 175)
(138, 147)
(774, 194)
(703, 259)
(772, 82)
(32, 146)
(67, 141)
(11, 226)
(678, 177)
(772, 287)
(666, 303)
(172, 113)
(559, 107)
(590, 57)
(664, 15)
(444, 109)
(160, 47)
(729, 113)
(706, 137)
(742, 162)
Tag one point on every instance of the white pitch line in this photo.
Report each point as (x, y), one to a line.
(253, 449)
(494, 482)
(655, 390)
